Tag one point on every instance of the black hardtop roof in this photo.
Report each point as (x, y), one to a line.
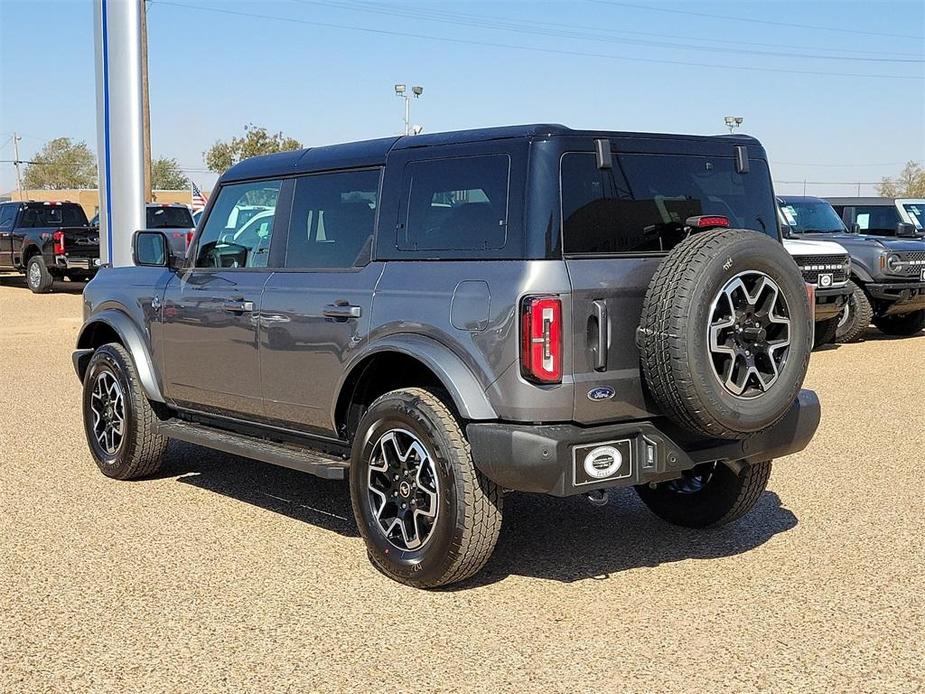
(869, 200)
(800, 198)
(374, 152)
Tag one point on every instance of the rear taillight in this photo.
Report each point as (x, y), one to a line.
(58, 238)
(707, 221)
(541, 339)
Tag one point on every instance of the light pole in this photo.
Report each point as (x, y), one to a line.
(416, 92)
(733, 122)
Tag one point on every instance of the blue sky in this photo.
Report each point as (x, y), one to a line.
(325, 74)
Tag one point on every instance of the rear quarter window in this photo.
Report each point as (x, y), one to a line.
(456, 204)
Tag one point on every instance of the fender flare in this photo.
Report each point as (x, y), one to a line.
(860, 272)
(132, 339)
(460, 382)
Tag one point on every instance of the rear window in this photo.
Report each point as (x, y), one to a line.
(457, 204)
(640, 204)
(169, 218)
(41, 215)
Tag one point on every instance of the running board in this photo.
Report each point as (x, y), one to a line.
(320, 464)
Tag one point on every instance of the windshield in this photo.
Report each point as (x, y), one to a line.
(38, 215)
(916, 210)
(169, 218)
(812, 217)
(640, 205)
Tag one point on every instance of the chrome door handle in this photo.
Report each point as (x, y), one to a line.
(238, 306)
(342, 311)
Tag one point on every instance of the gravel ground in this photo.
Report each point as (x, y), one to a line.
(228, 575)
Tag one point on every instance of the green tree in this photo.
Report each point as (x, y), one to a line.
(61, 164)
(910, 183)
(256, 140)
(166, 175)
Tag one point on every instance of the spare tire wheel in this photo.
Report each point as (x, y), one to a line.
(726, 333)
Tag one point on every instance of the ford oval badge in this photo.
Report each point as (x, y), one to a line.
(601, 393)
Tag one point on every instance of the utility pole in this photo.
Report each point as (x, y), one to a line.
(146, 105)
(16, 163)
(401, 91)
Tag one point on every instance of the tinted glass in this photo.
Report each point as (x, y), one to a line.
(150, 249)
(7, 215)
(641, 204)
(168, 218)
(228, 241)
(456, 204)
(332, 219)
(41, 215)
(812, 217)
(877, 219)
(916, 212)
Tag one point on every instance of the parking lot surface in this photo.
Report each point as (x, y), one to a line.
(223, 574)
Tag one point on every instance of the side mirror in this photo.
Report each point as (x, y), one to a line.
(906, 230)
(152, 249)
(786, 230)
(855, 228)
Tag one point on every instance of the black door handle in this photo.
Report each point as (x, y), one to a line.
(603, 335)
(238, 306)
(339, 310)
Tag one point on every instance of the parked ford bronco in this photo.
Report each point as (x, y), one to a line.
(47, 241)
(442, 318)
(826, 266)
(887, 273)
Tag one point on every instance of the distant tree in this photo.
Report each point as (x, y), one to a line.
(910, 183)
(256, 140)
(166, 175)
(61, 164)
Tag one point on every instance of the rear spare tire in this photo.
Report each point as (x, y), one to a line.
(726, 333)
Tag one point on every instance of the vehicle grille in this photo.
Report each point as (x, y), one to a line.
(911, 263)
(814, 265)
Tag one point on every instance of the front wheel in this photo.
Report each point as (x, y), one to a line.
(119, 422)
(707, 496)
(428, 517)
(855, 317)
(903, 324)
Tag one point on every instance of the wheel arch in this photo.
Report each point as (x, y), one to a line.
(112, 325)
(402, 361)
(28, 252)
(859, 274)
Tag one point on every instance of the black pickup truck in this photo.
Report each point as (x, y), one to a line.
(48, 241)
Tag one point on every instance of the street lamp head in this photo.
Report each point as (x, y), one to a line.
(417, 129)
(732, 121)
(417, 90)
(399, 89)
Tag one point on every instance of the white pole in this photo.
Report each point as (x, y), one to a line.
(16, 139)
(119, 125)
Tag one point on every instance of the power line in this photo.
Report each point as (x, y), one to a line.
(838, 166)
(752, 20)
(568, 31)
(534, 49)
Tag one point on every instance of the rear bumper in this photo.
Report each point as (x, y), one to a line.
(86, 264)
(550, 458)
(903, 297)
(831, 301)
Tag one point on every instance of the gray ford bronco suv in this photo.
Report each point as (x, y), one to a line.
(448, 317)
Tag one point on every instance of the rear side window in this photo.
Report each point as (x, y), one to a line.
(332, 220)
(7, 216)
(237, 232)
(456, 204)
(641, 204)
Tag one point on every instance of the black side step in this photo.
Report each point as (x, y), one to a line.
(321, 464)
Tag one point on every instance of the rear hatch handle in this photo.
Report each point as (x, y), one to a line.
(599, 335)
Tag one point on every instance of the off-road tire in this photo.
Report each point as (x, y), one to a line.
(825, 332)
(860, 313)
(38, 278)
(672, 336)
(469, 517)
(727, 496)
(904, 324)
(141, 451)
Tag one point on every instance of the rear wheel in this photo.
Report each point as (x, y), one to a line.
(709, 495)
(38, 278)
(855, 317)
(825, 331)
(903, 324)
(428, 517)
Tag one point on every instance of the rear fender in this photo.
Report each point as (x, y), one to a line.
(131, 338)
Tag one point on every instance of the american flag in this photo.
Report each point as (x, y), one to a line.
(199, 198)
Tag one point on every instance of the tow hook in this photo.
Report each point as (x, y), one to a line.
(598, 497)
